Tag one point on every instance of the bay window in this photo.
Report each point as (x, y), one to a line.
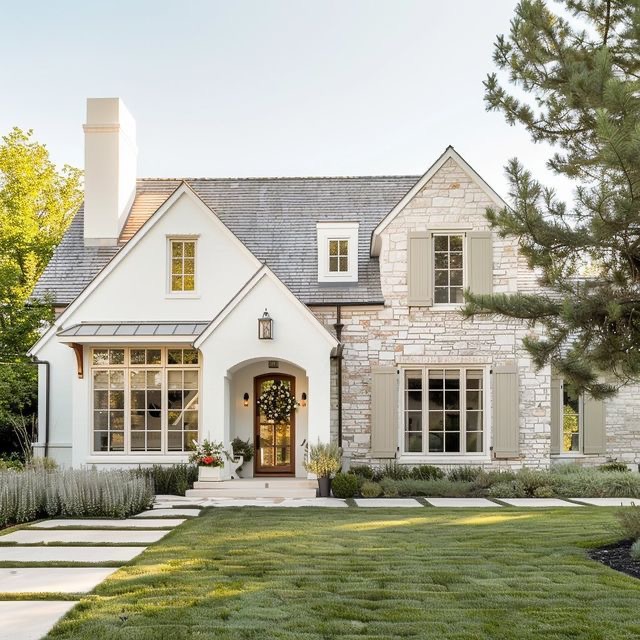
(145, 400)
(443, 410)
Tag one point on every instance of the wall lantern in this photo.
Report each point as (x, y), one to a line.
(265, 327)
(303, 401)
(245, 399)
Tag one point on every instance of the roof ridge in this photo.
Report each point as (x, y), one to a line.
(247, 178)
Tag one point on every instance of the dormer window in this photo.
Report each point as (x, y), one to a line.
(182, 265)
(337, 251)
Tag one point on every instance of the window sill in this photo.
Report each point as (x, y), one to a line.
(440, 458)
(119, 458)
(182, 296)
(447, 307)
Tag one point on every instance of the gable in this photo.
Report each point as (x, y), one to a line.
(133, 287)
(449, 161)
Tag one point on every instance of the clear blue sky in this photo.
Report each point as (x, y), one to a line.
(260, 87)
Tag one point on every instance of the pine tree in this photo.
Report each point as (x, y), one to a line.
(574, 82)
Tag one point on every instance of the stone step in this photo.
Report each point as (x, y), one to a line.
(258, 483)
(251, 492)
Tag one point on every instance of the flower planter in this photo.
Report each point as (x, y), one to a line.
(324, 487)
(210, 474)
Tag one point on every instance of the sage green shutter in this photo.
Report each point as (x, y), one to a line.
(480, 262)
(594, 438)
(556, 413)
(384, 412)
(506, 411)
(419, 269)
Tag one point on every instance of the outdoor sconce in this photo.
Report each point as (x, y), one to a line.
(245, 399)
(265, 327)
(303, 401)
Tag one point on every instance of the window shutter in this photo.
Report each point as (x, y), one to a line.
(419, 269)
(480, 262)
(594, 438)
(384, 412)
(506, 413)
(556, 413)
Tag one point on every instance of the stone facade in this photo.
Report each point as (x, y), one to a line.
(397, 335)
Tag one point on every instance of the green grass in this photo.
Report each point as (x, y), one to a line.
(320, 574)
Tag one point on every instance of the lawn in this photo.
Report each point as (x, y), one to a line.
(268, 573)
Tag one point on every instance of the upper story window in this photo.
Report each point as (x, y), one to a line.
(337, 251)
(448, 268)
(182, 276)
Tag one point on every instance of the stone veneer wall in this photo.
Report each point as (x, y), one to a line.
(397, 335)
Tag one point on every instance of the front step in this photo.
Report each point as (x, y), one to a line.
(255, 488)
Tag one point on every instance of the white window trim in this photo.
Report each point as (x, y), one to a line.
(337, 231)
(450, 231)
(128, 455)
(445, 458)
(182, 294)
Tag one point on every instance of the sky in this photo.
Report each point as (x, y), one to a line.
(266, 87)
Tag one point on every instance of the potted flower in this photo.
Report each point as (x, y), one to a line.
(209, 456)
(324, 461)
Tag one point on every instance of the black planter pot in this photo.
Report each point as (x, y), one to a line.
(324, 487)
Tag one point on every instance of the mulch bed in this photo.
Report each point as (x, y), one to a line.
(618, 557)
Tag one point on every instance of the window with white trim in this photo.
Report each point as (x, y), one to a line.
(145, 400)
(443, 410)
(337, 251)
(448, 268)
(182, 266)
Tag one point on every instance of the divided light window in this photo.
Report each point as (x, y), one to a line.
(443, 411)
(144, 400)
(571, 420)
(183, 265)
(448, 269)
(338, 256)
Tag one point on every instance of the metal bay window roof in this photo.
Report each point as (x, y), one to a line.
(166, 330)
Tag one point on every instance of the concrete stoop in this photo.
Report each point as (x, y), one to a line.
(255, 488)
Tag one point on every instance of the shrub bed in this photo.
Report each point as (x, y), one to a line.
(172, 480)
(460, 482)
(38, 493)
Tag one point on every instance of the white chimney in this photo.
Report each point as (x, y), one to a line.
(110, 155)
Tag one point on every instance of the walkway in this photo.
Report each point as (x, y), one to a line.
(68, 557)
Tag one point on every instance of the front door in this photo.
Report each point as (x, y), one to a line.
(274, 439)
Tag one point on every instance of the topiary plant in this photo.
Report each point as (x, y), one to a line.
(344, 485)
(371, 490)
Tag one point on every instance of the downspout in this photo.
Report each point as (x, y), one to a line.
(47, 402)
(338, 327)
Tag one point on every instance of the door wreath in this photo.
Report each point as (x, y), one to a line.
(276, 402)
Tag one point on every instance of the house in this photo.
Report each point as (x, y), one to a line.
(181, 301)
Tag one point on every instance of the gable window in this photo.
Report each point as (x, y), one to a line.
(443, 410)
(337, 251)
(144, 400)
(448, 268)
(182, 276)
(339, 256)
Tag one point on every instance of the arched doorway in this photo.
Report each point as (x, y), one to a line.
(274, 442)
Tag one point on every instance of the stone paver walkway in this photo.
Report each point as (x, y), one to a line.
(538, 502)
(461, 502)
(32, 619)
(609, 502)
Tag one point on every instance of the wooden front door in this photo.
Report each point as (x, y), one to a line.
(274, 441)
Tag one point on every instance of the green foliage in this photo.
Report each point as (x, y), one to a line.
(635, 550)
(573, 73)
(324, 459)
(344, 485)
(370, 489)
(243, 448)
(614, 466)
(465, 474)
(440, 488)
(170, 479)
(629, 519)
(362, 471)
(426, 472)
(394, 471)
(545, 491)
(37, 493)
(37, 203)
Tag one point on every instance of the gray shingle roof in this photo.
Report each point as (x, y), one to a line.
(274, 217)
